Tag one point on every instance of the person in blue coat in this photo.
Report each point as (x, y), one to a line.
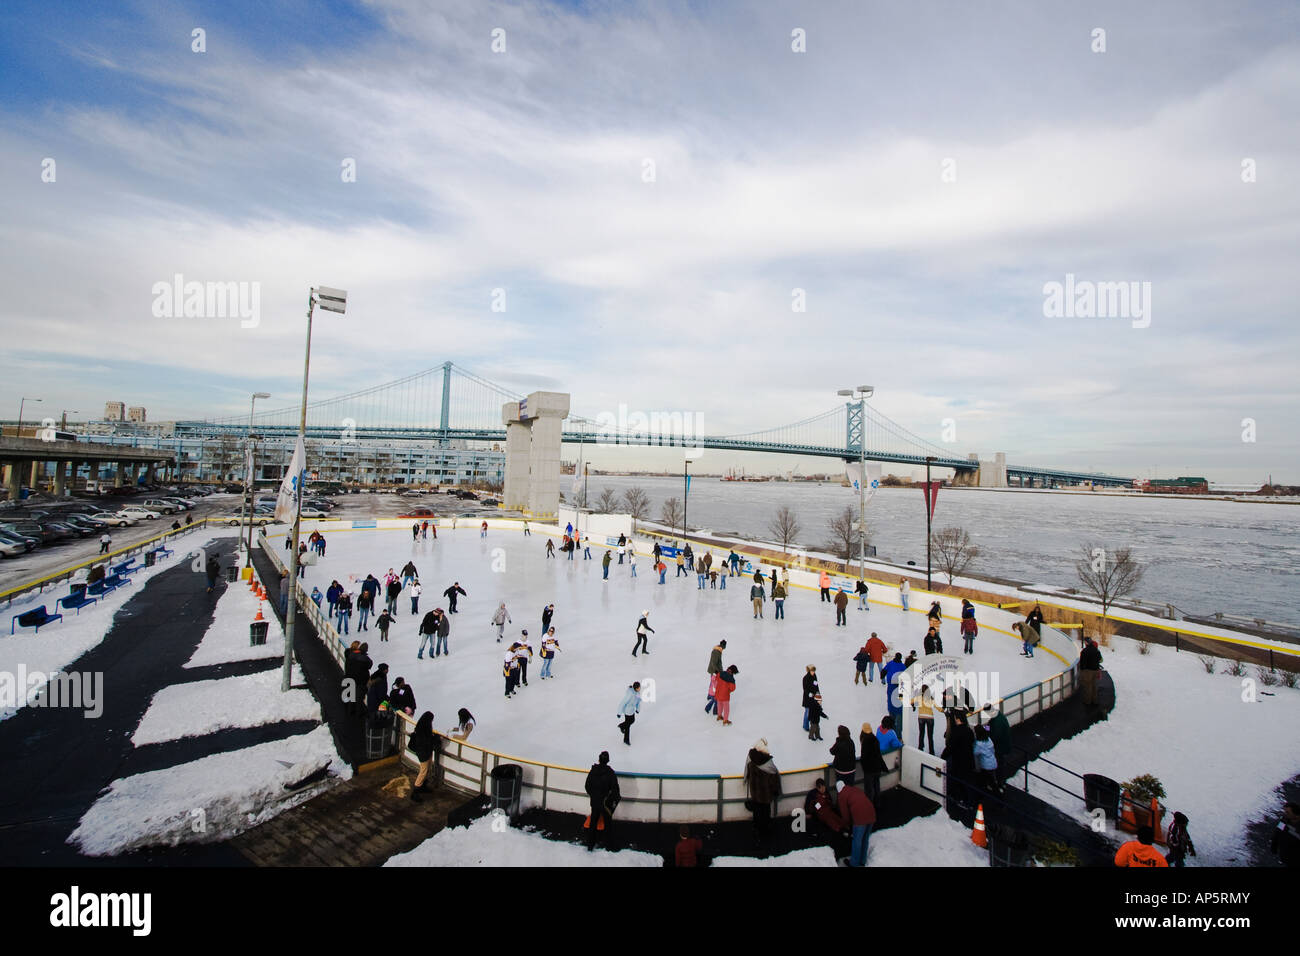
(628, 709)
(892, 670)
(887, 736)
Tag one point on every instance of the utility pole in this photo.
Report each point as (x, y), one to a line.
(928, 492)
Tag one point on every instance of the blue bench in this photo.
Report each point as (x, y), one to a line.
(163, 552)
(126, 567)
(104, 586)
(37, 618)
(77, 600)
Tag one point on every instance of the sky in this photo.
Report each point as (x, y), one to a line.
(729, 209)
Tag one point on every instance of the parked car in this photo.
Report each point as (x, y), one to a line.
(418, 513)
(115, 518)
(309, 511)
(10, 549)
(78, 522)
(60, 530)
(9, 538)
(180, 503)
(24, 529)
(261, 520)
(161, 505)
(140, 511)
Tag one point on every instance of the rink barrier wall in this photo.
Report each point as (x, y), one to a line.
(325, 630)
(646, 797)
(63, 574)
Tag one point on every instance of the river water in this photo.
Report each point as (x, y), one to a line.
(1200, 555)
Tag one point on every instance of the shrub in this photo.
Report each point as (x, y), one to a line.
(1208, 661)
(1266, 677)
(1144, 647)
(1288, 678)
(1143, 787)
(1236, 667)
(1054, 852)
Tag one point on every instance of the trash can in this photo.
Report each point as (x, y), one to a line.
(150, 558)
(507, 788)
(378, 731)
(77, 588)
(1099, 791)
(232, 574)
(257, 632)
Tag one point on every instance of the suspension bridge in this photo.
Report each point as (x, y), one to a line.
(447, 403)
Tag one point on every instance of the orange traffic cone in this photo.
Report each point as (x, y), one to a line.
(259, 612)
(586, 824)
(600, 824)
(977, 835)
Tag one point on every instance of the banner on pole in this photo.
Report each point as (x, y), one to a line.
(931, 489)
(286, 504)
(857, 479)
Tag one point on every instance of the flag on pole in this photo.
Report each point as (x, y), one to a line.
(873, 478)
(931, 489)
(286, 504)
(856, 477)
(248, 462)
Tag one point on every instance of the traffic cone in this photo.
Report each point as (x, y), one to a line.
(586, 824)
(259, 612)
(977, 835)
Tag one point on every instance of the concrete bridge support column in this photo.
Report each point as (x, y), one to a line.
(993, 474)
(117, 474)
(150, 473)
(38, 469)
(550, 409)
(514, 493)
(60, 478)
(15, 480)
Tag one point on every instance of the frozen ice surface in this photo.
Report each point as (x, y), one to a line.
(569, 719)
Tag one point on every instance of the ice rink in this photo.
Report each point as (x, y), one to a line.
(569, 719)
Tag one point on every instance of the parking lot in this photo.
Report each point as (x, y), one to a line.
(55, 555)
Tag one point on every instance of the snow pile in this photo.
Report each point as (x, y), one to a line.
(1219, 756)
(227, 638)
(935, 840)
(201, 707)
(489, 841)
(814, 856)
(206, 800)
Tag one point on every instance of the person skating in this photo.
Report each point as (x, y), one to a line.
(365, 603)
(859, 813)
(662, 569)
(451, 594)
(332, 595)
(424, 531)
(422, 744)
(500, 618)
(904, 592)
(935, 615)
(428, 628)
(810, 687)
(370, 586)
(1035, 618)
(631, 559)
(1179, 841)
(527, 533)
(483, 530)
(415, 531)
(384, 622)
(778, 601)
(923, 707)
(604, 563)
(414, 592)
(762, 787)
(628, 709)
(756, 595)
(873, 765)
(550, 548)
(643, 630)
(860, 589)
(969, 629)
(586, 548)
(1090, 671)
(1029, 637)
(391, 591)
(841, 607)
(722, 692)
(711, 702)
(815, 715)
(824, 585)
(622, 550)
(657, 551)
(344, 610)
(931, 643)
(701, 576)
(602, 790)
(316, 596)
(891, 675)
(733, 561)
(1140, 852)
(409, 573)
(444, 629)
(845, 759)
(523, 651)
(715, 657)
(860, 661)
(689, 555)
(548, 612)
(681, 564)
(876, 650)
(550, 647)
(510, 669)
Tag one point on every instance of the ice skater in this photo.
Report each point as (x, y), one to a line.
(643, 629)
(756, 596)
(550, 647)
(510, 668)
(969, 629)
(726, 686)
(860, 588)
(451, 593)
(428, 628)
(548, 612)
(628, 709)
(501, 618)
(414, 591)
(523, 651)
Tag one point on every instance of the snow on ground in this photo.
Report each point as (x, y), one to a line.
(935, 840)
(206, 800)
(571, 718)
(814, 856)
(63, 642)
(489, 842)
(227, 639)
(201, 707)
(1219, 757)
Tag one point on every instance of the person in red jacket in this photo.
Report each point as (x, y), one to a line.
(818, 806)
(688, 848)
(858, 812)
(876, 649)
(723, 691)
(1140, 852)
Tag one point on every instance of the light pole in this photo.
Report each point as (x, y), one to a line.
(75, 411)
(928, 491)
(331, 300)
(863, 392)
(248, 491)
(686, 493)
(19, 430)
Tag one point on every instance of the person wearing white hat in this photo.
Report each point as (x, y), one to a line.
(643, 629)
(762, 787)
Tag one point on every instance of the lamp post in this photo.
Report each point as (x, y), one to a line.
(247, 507)
(928, 491)
(686, 493)
(331, 300)
(64, 425)
(863, 392)
(18, 432)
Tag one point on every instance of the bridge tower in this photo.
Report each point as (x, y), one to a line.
(445, 419)
(533, 434)
(853, 427)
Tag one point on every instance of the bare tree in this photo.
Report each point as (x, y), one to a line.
(1108, 575)
(953, 551)
(844, 533)
(671, 513)
(607, 500)
(636, 502)
(784, 526)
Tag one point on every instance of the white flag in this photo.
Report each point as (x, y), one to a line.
(286, 505)
(248, 461)
(856, 477)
